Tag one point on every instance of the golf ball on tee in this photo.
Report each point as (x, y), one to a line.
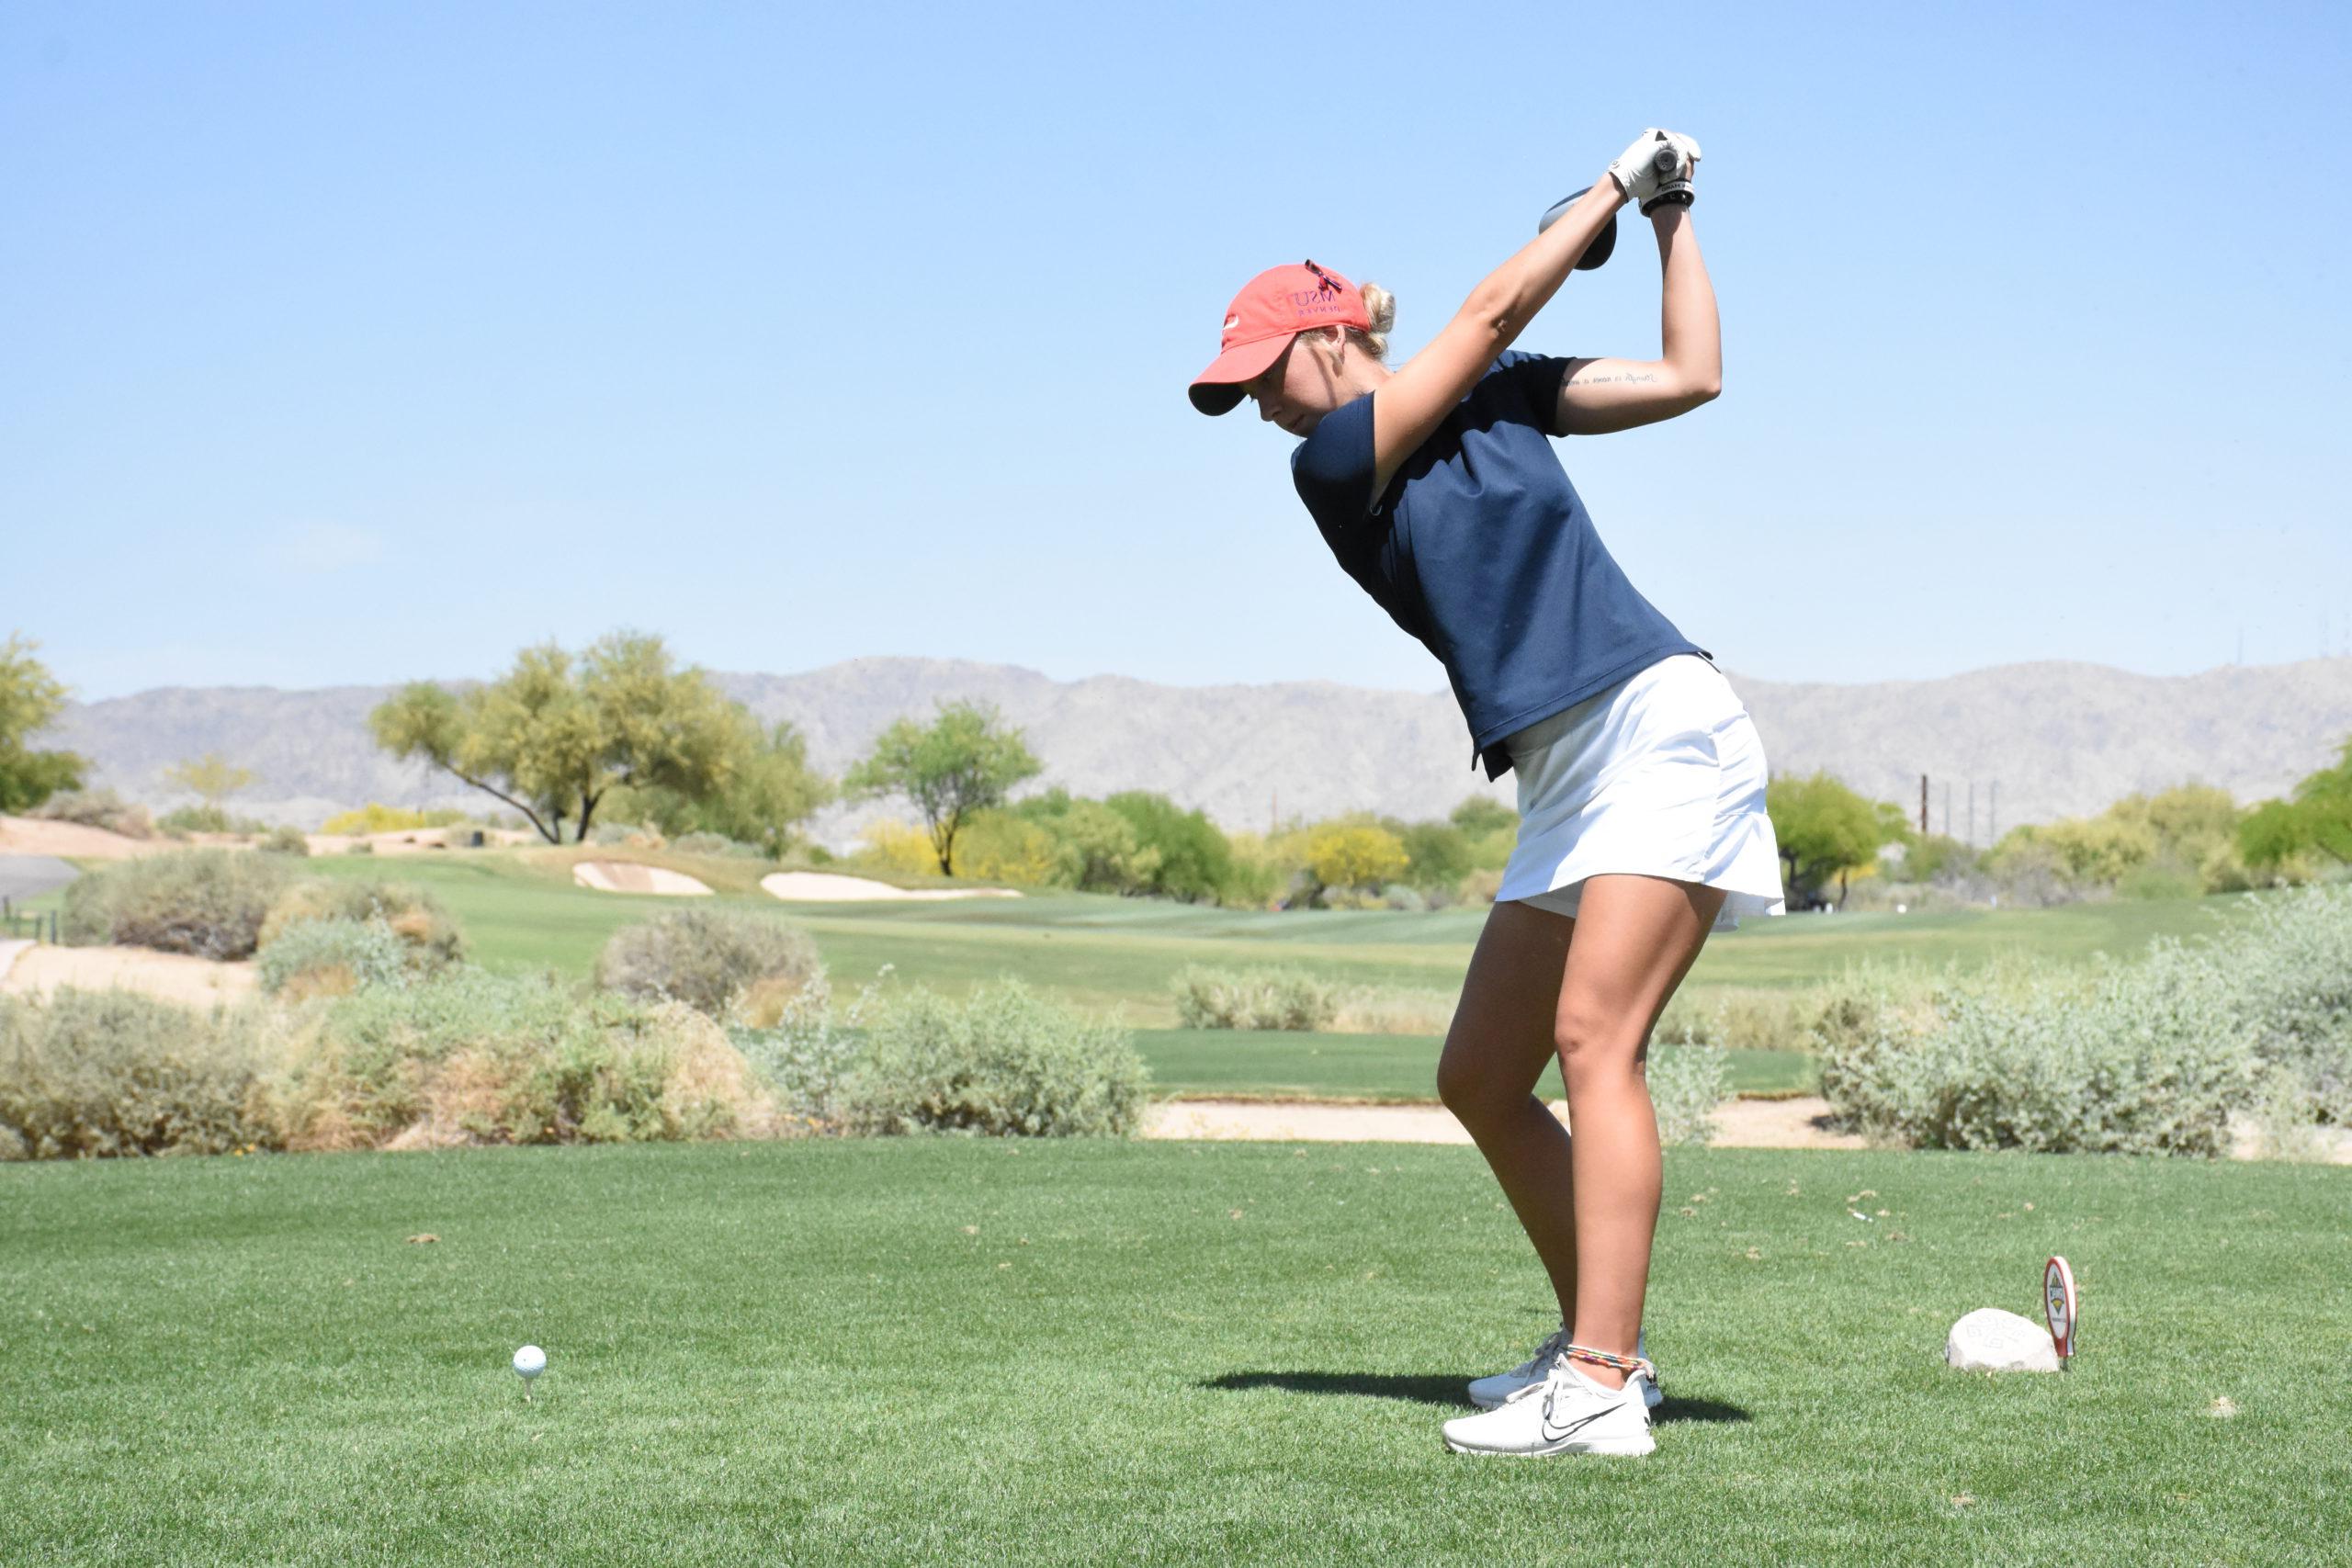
(530, 1360)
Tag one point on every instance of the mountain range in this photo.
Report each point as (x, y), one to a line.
(2026, 743)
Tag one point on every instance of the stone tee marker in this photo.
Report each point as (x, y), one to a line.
(1991, 1340)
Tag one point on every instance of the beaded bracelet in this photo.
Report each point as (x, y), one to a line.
(1626, 1364)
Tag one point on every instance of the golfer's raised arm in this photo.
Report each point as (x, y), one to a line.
(1411, 403)
(1600, 395)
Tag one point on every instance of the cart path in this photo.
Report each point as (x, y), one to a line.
(1800, 1123)
(1794, 1123)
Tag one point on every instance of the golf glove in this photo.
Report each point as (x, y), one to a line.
(1636, 169)
(1672, 192)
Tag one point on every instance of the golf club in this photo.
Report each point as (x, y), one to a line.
(1605, 242)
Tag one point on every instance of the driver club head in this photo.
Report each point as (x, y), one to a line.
(1602, 243)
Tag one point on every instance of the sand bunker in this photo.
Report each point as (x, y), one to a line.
(626, 876)
(824, 887)
(175, 978)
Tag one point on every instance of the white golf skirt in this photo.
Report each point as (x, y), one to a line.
(1662, 774)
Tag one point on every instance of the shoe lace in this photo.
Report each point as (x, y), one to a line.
(1547, 1355)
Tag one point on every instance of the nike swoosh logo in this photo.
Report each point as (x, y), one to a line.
(1571, 1428)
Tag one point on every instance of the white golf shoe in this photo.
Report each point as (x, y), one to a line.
(1488, 1392)
(1568, 1413)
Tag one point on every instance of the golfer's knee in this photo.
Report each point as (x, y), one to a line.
(1591, 1040)
(1471, 1095)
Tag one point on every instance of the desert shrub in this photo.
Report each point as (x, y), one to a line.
(285, 840)
(1403, 896)
(1253, 998)
(473, 1057)
(716, 844)
(1005, 1063)
(999, 846)
(1686, 1083)
(708, 959)
(210, 903)
(1266, 871)
(1350, 851)
(374, 818)
(361, 848)
(1389, 1009)
(1794, 1019)
(809, 1051)
(96, 809)
(95, 1074)
(625, 833)
(332, 957)
(1480, 886)
(420, 920)
(2285, 961)
(2144, 1057)
(891, 845)
(2147, 1058)
(210, 819)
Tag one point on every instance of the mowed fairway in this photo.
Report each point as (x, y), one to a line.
(1103, 952)
(959, 1352)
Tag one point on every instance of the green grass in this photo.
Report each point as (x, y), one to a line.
(1279, 1064)
(963, 1352)
(1103, 952)
(1117, 955)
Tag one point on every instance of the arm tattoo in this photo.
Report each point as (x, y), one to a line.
(1627, 377)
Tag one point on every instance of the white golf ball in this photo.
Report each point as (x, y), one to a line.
(530, 1360)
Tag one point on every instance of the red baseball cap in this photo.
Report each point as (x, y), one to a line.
(1271, 308)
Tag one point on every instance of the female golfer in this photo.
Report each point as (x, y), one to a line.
(1641, 778)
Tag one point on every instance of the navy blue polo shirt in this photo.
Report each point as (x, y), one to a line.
(1481, 548)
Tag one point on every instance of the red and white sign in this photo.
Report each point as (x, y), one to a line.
(2058, 1300)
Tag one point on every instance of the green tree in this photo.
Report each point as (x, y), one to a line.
(774, 794)
(555, 735)
(966, 759)
(1824, 830)
(1099, 847)
(211, 778)
(770, 794)
(30, 697)
(1925, 855)
(1437, 854)
(1195, 860)
(1479, 815)
(2318, 818)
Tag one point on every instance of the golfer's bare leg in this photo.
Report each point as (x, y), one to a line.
(1501, 1041)
(1635, 938)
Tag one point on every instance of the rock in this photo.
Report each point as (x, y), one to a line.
(1991, 1340)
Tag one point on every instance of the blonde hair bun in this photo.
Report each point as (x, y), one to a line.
(1381, 306)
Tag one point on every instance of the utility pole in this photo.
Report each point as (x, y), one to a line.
(1923, 803)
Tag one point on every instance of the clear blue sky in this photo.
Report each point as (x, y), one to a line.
(351, 344)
